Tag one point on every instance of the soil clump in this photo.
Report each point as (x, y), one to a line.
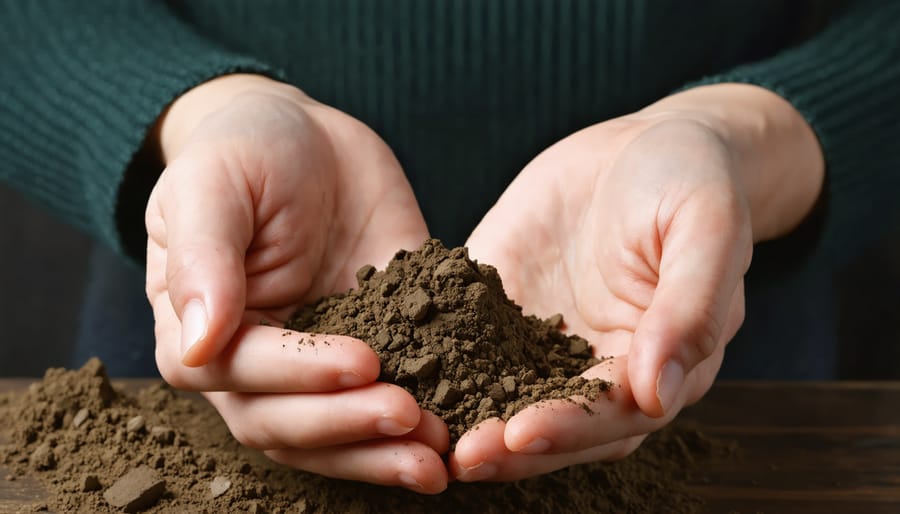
(444, 329)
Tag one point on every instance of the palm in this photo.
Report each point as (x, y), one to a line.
(273, 201)
(315, 215)
(606, 227)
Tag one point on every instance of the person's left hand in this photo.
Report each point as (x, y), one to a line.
(639, 231)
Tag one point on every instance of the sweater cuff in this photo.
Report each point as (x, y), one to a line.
(138, 165)
(845, 82)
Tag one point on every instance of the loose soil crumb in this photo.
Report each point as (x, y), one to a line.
(205, 470)
(138, 489)
(445, 330)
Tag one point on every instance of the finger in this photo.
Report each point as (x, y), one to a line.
(703, 260)
(563, 426)
(315, 420)
(390, 462)
(431, 431)
(275, 360)
(208, 219)
(481, 455)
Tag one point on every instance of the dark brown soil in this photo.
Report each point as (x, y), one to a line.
(94, 447)
(444, 329)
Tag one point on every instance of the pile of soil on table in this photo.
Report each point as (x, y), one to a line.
(98, 449)
(444, 329)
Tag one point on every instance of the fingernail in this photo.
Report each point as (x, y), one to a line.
(669, 382)
(388, 426)
(407, 480)
(348, 379)
(482, 471)
(193, 325)
(537, 445)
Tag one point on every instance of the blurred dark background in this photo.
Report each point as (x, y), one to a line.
(43, 277)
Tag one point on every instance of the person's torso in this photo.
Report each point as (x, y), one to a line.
(467, 92)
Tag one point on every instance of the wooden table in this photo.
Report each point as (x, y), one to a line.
(804, 448)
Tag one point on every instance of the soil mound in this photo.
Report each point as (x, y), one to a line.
(445, 330)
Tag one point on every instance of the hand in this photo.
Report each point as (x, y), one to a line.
(639, 231)
(269, 201)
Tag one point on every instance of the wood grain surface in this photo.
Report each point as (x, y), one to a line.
(802, 448)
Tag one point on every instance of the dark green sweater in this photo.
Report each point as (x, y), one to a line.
(465, 92)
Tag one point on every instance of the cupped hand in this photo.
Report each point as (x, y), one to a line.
(639, 231)
(270, 200)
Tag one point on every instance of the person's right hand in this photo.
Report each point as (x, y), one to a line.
(271, 200)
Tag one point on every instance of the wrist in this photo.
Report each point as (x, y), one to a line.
(776, 155)
(176, 124)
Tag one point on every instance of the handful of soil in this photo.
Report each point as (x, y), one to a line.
(444, 329)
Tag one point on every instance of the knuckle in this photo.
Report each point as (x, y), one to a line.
(179, 263)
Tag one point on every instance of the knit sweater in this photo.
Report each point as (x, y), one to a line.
(464, 92)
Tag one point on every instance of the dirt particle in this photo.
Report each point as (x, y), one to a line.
(416, 304)
(90, 483)
(42, 458)
(445, 394)
(555, 321)
(207, 463)
(219, 486)
(135, 424)
(364, 273)
(509, 386)
(579, 347)
(420, 367)
(162, 435)
(80, 417)
(139, 489)
(495, 392)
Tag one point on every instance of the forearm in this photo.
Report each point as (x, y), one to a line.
(777, 157)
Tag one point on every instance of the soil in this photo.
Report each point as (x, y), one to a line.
(444, 329)
(101, 449)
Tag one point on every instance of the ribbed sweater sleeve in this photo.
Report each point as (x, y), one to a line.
(80, 85)
(845, 81)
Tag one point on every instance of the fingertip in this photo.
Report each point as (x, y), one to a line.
(436, 483)
(433, 431)
(408, 412)
(481, 444)
(668, 385)
(397, 413)
(419, 468)
(653, 391)
(194, 329)
(515, 434)
(367, 363)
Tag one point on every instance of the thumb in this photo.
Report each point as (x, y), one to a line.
(700, 273)
(209, 226)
